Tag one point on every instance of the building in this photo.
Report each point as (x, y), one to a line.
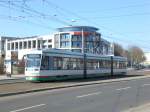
(21, 46)
(3, 44)
(85, 39)
(15, 49)
(81, 39)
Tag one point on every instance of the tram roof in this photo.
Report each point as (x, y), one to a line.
(64, 52)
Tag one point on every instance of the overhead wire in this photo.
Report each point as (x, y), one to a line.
(70, 12)
(22, 18)
(60, 10)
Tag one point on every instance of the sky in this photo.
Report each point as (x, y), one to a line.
(126, 22)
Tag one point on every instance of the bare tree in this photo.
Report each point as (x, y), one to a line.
(118, 50)
(136, 55)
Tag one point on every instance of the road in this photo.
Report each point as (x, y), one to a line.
(110, 97)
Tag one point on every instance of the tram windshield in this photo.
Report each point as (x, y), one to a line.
(33, 60)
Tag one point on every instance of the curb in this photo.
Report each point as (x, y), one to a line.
(18, 80)
(73, 85)
(11, 79)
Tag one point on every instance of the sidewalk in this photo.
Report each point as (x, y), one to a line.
(5, 77)
(142, 108)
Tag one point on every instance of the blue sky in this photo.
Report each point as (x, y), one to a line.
(123, 21)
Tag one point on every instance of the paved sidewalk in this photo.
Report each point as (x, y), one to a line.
(5, 77)
(141, 108)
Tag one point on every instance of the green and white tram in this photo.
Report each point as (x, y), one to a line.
(51, 64)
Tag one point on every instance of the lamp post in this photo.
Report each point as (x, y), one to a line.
(84, 56)
(131, 60)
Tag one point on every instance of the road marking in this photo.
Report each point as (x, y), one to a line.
(123, 88)
(85, 95)
(145, 85)
(18, 110)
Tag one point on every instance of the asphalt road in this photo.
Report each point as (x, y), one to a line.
(111, 97)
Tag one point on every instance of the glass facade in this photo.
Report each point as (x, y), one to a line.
(61, 63)
(92, 43)
(69, 63)
(73, 37)
(64, 40)
(76, 41)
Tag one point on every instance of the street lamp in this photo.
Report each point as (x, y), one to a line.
(84, 55)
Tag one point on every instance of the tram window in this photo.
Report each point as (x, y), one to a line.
(95, 64)
(115, 64)
(57, 63)
(90, 64)
(73, 63)
(107, 64)
(66, 63)
(101, 64)
(45, 63)
(79, 64)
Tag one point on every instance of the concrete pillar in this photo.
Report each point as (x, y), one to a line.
(70, 41)
(6, 46)
(36, 43)
(27, 45)
(31, 44)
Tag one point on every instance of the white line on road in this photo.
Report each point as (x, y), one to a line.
(146, 85)
(85, 95)
(123, 88)
(27, 108)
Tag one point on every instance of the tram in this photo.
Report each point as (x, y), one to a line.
(52, 64)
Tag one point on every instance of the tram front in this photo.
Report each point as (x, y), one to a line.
(32, 66)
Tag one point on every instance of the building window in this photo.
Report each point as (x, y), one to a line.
(44, 47)
(2, 45)
(49, 46)
(12, 46)
(34, 43)
(50, 40)
(20, 45)
(44, 41)
(76, 38)
(29, 44)
(16, 45)
(8, 46)
(64, 44)
(76, 44)
(39, 43)
(65, 37)
(25, 45)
